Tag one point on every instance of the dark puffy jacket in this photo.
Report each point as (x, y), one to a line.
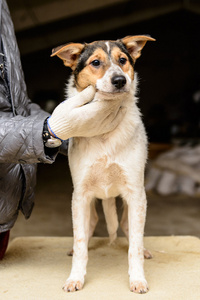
(21, 125)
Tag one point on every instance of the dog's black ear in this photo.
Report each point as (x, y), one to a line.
(134, 44)
(69, 53)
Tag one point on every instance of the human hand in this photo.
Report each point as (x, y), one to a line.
(76, 117)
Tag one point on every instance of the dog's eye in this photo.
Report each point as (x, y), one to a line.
(96, 63)
(122, 60)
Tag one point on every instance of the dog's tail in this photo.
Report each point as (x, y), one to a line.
(110, 211)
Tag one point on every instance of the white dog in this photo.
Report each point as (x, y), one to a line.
(112, 164)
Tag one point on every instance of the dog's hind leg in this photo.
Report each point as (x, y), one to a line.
(109, 208)
(93, 219)
(124, 220)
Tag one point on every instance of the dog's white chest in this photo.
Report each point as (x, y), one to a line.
(104, 179)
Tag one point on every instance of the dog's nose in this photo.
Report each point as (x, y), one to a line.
(118, 81)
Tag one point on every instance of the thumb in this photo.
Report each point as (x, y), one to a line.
(84, 97)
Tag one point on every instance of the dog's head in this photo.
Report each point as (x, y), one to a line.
(106, 65)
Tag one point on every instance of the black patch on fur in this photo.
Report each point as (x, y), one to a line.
(123, 48)
(86, 53)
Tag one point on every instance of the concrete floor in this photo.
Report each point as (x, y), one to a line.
(174, 215)
(37, 267)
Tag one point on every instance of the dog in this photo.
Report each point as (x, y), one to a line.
(111, 164)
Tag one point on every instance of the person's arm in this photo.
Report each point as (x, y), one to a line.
(21, 139)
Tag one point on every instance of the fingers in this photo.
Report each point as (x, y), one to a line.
(116, 118)
(107, 113)
(104, 108)
(83, 97)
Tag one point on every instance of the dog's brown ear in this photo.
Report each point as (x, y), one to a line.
(69, 53)
(134, 44)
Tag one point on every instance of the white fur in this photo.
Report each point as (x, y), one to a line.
(108, 46)
(104, 167)
(104, 84)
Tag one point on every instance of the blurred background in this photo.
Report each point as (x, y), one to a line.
(169, 93)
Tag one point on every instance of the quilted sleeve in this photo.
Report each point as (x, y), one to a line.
(21, 139)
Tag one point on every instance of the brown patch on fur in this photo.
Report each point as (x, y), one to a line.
(81, 240)
(127, 68)
(141, 211)
(89, 75)
(103, 174)
(140, 252)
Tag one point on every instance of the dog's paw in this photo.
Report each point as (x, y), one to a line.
(70, 253)
(72, 285)
(138, 286)
(147, 254)
(112, 238)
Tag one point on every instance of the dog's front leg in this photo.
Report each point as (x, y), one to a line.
(136, 220)
(81, 219)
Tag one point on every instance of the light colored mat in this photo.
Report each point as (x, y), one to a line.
(36, 267)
